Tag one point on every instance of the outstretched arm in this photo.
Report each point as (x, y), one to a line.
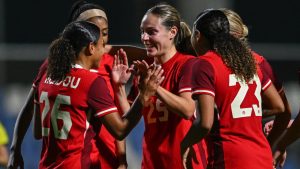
(133, 52)
(21, 126)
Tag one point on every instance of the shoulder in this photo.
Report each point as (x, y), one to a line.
(258, 58)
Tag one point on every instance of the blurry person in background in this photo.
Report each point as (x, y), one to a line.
(3, 146)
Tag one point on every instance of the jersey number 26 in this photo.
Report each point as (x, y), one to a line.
(55, 115)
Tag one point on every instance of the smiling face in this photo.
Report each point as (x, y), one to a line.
(157, 38)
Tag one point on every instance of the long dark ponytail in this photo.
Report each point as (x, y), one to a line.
(235, 53)
(64, 51)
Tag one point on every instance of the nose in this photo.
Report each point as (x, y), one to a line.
(144, 36)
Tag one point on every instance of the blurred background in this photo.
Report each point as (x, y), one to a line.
(27, 28)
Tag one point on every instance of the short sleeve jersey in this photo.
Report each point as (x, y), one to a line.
(42, 71)
(236, 139)
(164, 130)
(108, 157)
(105, 69)
(266, 67)
(64, 108)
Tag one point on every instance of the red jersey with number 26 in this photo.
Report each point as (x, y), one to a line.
(164, 130)
(64, 108)
(236, 140)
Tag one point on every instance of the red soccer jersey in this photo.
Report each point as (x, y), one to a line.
(236, 139)
(164, 130)
(105, 141)
(104, 148)
(266, 67)
(64, 107)
(42, 71)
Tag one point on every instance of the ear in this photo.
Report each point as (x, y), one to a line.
(173, 32)
(197, 35)
(91, 49)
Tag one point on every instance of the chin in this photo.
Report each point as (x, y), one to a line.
(151, 53)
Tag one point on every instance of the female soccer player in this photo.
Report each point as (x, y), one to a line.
(69, 90)
(114, 155)
(169, 113)
(240, 30)
(227, 76)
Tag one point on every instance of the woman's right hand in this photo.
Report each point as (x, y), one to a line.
(150, 81)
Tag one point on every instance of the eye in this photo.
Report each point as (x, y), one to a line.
(105, 33)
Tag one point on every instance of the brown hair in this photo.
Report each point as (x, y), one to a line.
(170, 17)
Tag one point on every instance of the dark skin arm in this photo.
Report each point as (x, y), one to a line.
(200, 128)
(281, 121)
(118, 126)
(21, 126)
(134, 52)
(288, 138)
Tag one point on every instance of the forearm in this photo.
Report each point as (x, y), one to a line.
(121, 152)
(280, 124)
(291, 135)
(194, 135)
(134, 52)
(281, 121)
(182, 106)
(121, 98)
(23, 122)
(133, 116)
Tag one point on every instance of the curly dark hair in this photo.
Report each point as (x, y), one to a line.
(236, 54)
(64, 50)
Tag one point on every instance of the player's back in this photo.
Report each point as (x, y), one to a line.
(64, 121)
(237, 140)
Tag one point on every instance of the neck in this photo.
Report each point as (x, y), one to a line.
(166, 56)
(82, 61)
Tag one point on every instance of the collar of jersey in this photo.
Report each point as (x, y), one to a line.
(78, 66)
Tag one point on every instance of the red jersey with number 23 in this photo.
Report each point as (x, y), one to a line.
(236, 140)
(64, 108)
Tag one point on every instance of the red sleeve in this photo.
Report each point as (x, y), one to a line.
(186, 76)
(101, 100)
(203, 80)
(42, 71)
(266, 81)
(267, 69)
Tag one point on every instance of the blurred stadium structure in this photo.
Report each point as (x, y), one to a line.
(27, 27)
